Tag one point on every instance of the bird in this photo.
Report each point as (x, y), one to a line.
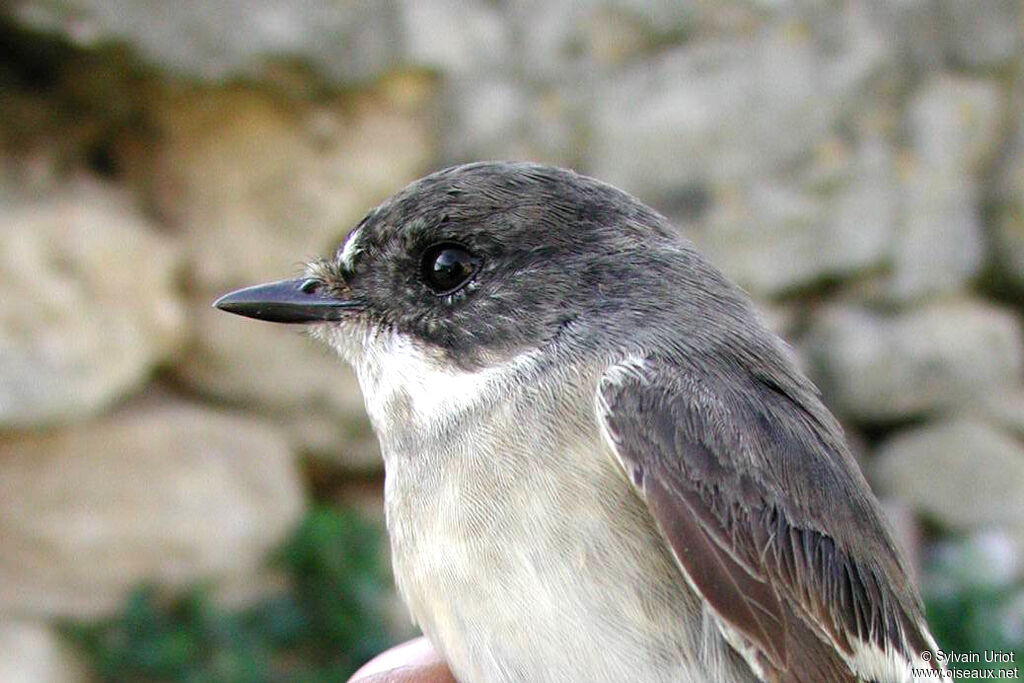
(599, 463)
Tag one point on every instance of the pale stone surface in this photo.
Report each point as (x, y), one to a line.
(216, 40)
(969, 35)
(954, 124)
(1004, 408)
(730, 109)
(254, 188)
(297, 382)
(1007, 197)
(493, 117)
(916, 31)
(89, 304)
(955, 121)
(964, 474)
(30, 652)
(834, 220)
(254, 183)
(875, 367)
(982, 33)
(454, 37)
(171, 493)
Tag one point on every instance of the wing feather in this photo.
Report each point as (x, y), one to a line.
(740, 597)
(769, 519)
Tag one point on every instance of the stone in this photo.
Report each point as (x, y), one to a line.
(725, 110)
(1004, 408)
(1007, 200)
(953, 123)
(455, 38)
(298, 384)
(774, 236)
(253, 187)
(90, 305)
(252, 182)
(170, 493)
(494, 117)
(345, 42)
(660, 20)
(917, 32)
(882, 368)
(614, 36)
(572, 42)
(964, 474)
(30, 652)
(981, 33)
(1009, 245)
(970, 35)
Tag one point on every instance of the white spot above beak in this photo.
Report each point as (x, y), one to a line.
(351, 248)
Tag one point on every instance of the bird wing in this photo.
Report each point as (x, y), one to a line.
(769, 519)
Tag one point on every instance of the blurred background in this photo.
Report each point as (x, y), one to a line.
(186, 495)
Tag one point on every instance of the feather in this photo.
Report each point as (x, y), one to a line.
(769, 519)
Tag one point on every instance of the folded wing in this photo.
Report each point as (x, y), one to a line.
(769, 519)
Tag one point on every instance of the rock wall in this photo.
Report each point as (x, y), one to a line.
(857, 165)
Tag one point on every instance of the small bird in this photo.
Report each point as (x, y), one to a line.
(600, 465)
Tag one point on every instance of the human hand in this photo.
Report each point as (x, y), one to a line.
(414, 661)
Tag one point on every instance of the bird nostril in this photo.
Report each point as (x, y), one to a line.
(309, 286)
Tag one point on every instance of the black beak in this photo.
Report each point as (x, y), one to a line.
(285, 301)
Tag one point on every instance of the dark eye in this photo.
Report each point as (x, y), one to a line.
(446, 267)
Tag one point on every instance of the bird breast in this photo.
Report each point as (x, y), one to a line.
(517, 543)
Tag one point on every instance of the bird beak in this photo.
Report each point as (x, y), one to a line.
(285, 301)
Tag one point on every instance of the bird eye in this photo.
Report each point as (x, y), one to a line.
(447, 267)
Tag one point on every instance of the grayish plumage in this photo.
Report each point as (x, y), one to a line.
(600, 465)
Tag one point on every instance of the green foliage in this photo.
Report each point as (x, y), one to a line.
(331, 620)
(329, 623)
(971, 613)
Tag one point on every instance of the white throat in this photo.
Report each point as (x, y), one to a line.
(408, 386)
